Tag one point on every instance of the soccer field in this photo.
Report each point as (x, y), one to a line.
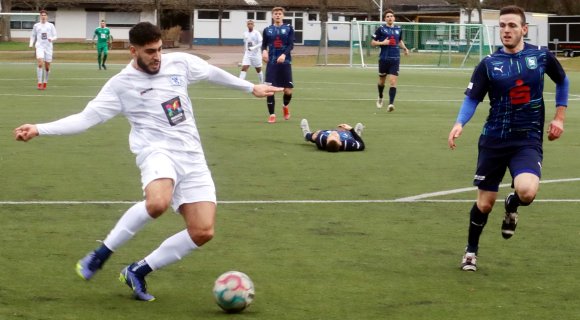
(377, 234)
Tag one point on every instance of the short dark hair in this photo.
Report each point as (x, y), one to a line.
(514, 10)
(43, 11)
(143, 33)
(333, 145)
(388, 11)
(278, 9)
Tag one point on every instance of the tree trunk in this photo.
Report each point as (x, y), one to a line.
(5, 21)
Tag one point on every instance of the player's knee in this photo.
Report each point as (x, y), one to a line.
(157, 206)
(200, 236)
(485, 206)
(526, 197)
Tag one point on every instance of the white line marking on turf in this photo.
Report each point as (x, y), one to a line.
(448, 192)
(418, 198)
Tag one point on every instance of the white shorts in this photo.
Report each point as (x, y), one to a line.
(44, 53)
(252, 60)
(192, 180)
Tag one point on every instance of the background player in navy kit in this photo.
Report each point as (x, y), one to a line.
(390, 38)
(276, 52)
(512, 135)
(343, 138)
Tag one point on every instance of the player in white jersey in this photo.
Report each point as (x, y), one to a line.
(42, 37)
(252, 54)
(151, 92)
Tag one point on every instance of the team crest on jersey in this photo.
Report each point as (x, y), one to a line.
(283, 31)
(531, 62)
(175, 81)
(174, 111)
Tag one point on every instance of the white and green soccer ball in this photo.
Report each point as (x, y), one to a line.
(233, 291)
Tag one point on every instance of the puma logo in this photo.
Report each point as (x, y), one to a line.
(498, 69)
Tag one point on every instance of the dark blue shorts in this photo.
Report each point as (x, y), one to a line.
(390, 66)
(496, 155)
(279, 75)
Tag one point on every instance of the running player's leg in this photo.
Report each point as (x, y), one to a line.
(105, 55)
(383, 70)
(393, 77)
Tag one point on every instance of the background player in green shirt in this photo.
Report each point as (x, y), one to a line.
(104, 37)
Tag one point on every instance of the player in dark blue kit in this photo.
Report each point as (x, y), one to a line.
(344, 138)
(276, 52)
(390, 38)
(513, 78)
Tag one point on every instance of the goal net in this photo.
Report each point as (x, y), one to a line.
(434, 45)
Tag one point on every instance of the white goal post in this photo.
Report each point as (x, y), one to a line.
(432, 45)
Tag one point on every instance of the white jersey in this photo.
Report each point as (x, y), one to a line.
(157, 106)
(41, 34)
(252, 43)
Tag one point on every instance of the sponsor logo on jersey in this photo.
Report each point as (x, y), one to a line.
(174, 111)
(520, 94)
(175, 81)
(532, 63)
(500, 69)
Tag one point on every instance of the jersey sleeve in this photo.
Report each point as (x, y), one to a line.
(32, 36)
(264, 39)
(354, 144)
(554, 69)
(377, 35)
(102, 108)
(53, 31)
(289, 40)
(479, 84)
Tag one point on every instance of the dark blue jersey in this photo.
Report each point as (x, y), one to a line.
(350, 140)
(278, 40)
(515, 85)
(395, 35)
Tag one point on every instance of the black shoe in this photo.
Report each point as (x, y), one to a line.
(104, 67)
(510, 221)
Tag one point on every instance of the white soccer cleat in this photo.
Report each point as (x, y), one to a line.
(391, 108)
(380, 103)
(304, 126)
(469, 262)
(358, 128)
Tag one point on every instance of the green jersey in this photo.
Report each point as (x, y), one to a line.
(103, 35)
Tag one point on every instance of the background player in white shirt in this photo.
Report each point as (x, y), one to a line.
(252, 54)
(42, 37)
(151, 92)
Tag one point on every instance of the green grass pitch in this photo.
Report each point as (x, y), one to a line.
(323, 236)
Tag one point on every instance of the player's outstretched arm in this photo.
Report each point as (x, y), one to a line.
(454, 134)
(25, 132)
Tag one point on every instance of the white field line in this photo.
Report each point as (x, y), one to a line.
(418, 198)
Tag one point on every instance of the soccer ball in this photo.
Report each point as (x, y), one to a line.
(233, 291)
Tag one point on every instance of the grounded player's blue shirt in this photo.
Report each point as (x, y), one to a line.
(279, 40)
(350, 140)
(515, 85)
(395, 35)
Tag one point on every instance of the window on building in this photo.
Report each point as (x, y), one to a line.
(212, 15)
(122, 19)
(25, 22)
(257, 15)
(313, 17)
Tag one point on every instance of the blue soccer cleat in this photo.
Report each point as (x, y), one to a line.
(88, 266)
(136, 283)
